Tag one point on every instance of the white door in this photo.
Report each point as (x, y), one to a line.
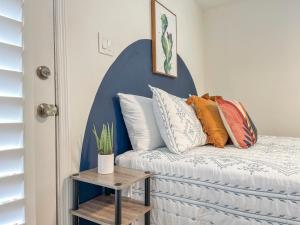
(39, 51)
(27, 141)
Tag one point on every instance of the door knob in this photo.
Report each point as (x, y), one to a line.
(43, 72)
(45, 110)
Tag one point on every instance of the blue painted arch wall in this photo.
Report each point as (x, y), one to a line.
(130, 73)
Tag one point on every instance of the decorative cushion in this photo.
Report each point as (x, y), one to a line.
(140, 122)
(177, 122)
(209, 116)
(238, 123)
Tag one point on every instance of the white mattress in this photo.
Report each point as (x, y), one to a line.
(230, 186)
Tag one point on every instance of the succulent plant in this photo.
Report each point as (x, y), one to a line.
(105, 139)
(167, 43)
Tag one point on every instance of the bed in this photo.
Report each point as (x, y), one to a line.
(207, 185)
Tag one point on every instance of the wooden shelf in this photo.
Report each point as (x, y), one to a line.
(101, 210)
(120, 179)
(112, 209)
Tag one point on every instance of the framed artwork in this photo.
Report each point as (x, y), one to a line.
(164, 40)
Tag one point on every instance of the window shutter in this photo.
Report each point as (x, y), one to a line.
(11, 114)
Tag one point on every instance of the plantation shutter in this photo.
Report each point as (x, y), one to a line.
(11, 114)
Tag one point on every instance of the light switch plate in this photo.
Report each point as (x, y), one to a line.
(105, 45)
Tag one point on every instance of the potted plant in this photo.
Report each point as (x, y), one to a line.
(105, 149)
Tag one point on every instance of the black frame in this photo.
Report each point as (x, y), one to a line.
(147, 200)
(118, 202)
(75, 201)
(118, 207)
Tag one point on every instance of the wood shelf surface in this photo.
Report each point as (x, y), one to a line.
(101, 210)
(120, 179)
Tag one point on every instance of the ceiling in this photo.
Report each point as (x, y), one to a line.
(206, 4)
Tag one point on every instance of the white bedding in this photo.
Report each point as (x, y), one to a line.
(210, 186)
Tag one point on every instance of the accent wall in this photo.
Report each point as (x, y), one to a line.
(124, 22)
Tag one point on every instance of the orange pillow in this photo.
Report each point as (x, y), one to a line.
(209, 116)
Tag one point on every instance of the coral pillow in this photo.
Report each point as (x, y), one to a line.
(209, 116)
(238, 124)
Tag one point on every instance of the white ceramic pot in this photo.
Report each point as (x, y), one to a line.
(105, 164)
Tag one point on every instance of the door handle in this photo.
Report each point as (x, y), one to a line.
(45, 110)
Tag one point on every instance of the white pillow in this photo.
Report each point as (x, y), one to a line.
(140, 122)
(177, 122)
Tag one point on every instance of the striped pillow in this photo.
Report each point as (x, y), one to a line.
(177, 122)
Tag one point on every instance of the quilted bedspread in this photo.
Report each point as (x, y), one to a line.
(211, 186)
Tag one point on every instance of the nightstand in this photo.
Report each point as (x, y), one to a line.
(112, 209)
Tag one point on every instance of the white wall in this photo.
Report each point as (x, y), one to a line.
(252, 53)
(124, 22)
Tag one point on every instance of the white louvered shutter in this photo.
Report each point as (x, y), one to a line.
(11, 114)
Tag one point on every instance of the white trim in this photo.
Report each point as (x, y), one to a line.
(63, 145)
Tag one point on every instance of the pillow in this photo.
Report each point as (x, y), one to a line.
(238, 123)
(140, 122)
(209, 116)
(177, 122)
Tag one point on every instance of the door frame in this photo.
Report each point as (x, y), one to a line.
(63, 149)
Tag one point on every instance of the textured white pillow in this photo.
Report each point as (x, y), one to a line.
(177, 122)
(140, 122)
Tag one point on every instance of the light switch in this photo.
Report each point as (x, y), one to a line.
(104, 45)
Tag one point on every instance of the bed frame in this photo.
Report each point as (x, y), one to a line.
(130, 73)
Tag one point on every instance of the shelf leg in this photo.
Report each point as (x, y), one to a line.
(75, 220)
(147, 200)
(75, 201)
(118, 207)
(107, 191)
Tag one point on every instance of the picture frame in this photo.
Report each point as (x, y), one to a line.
(164, 40)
